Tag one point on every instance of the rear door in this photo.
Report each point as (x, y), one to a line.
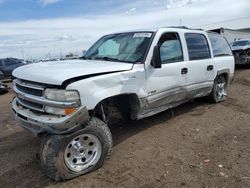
(200, 66)
(165, 85)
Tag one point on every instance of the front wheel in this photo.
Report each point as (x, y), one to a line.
(219, 91)
(67, 156)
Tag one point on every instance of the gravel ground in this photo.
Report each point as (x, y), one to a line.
(195, 145)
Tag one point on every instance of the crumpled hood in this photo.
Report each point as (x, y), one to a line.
(57, 72)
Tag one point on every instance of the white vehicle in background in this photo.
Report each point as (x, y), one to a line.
(241, 51)
(129, 75)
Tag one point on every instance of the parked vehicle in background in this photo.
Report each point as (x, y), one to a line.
(241, 51)
(130, 75)
(1, 75)
(7, 66)
(3, 87)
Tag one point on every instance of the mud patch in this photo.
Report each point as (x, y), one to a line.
(244, 81)
(235, 105)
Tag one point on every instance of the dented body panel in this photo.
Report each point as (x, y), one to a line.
(56, 73)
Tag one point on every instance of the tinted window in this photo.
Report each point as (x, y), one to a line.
(170, 48)
(220, 45)
(197, 46)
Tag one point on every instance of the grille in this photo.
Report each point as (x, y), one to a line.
(29, 90)
(30, 105)
(32, 89)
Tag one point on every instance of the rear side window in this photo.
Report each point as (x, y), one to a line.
(220, 45)
(197, 46)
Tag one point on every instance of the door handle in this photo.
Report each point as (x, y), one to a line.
(210, 67)
(184, 71)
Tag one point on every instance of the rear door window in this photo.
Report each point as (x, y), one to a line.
(220, 45)
(198, 48)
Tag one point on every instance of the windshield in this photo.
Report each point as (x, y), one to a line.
(241, 43)
(123, 47)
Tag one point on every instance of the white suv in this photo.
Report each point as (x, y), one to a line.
(131, 75)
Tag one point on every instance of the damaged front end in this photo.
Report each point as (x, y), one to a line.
(39, 113)
(242, 56)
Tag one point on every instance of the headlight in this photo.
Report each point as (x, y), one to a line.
(61, 95)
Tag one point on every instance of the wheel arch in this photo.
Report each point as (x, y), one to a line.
(225, 73)
(127, 103)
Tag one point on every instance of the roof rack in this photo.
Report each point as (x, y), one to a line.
(183, 27)
(180, 27)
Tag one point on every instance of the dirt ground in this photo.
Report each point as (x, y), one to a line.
(195, 145)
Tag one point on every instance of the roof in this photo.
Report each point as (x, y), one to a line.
(156, 29)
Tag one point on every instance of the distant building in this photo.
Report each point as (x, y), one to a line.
(233, 35)
(233, 30)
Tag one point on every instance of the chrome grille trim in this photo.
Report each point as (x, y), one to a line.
(43, 101)
(29, 105)
(28, 85)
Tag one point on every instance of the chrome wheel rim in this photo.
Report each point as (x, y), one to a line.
(82, 152)
(221, 90)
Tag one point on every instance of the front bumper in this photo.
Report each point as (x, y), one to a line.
(50, 124)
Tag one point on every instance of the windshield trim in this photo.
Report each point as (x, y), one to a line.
(144, 55)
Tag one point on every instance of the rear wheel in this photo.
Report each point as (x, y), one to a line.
(219, 91)
(68, 156)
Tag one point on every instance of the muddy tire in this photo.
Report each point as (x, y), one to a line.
(219, 91)
(68, 156)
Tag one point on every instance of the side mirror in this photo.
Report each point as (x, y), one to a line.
(156, 60)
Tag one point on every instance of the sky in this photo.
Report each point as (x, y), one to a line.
(42, 28)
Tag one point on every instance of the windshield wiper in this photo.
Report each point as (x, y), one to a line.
(106, 58)
(83, 57)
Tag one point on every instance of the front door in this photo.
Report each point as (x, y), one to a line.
(165, 85)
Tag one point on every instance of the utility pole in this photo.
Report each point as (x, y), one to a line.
(180, 22)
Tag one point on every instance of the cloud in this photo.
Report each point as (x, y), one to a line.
(47, 2)
(131, 10)
(40, 37)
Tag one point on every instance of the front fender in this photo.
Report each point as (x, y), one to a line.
(94, 90)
